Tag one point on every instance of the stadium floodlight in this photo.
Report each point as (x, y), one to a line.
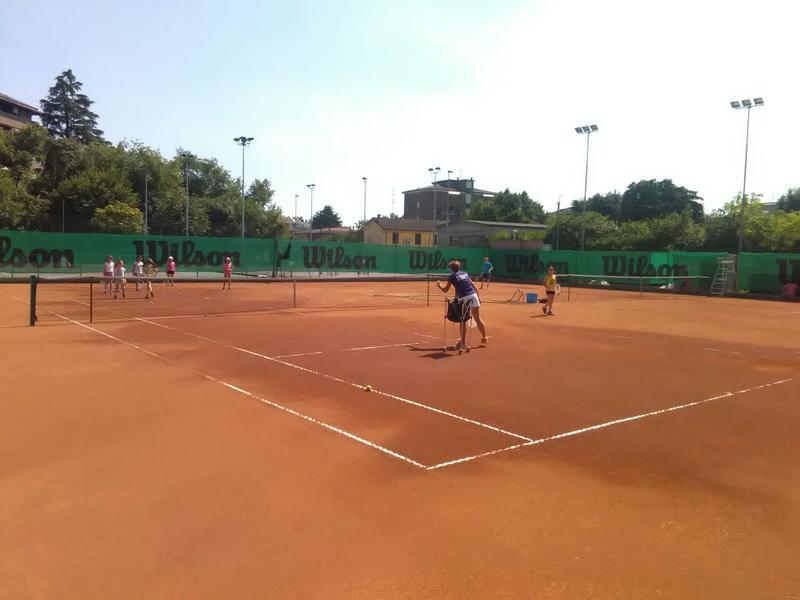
(364, 179)
(243, 141)
(748, 104)
(434, 171)
(311, 187)
(588, 130)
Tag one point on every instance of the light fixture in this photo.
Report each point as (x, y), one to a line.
(735, 104)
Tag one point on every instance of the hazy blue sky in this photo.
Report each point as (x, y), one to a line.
(333, 91)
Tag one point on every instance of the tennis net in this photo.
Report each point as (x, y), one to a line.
(88, 299)
(579, 285)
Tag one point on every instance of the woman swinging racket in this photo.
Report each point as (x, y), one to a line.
(468, 296)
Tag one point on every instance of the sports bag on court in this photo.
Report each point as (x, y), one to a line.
(457, 312)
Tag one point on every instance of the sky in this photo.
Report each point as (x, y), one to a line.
(491, 90)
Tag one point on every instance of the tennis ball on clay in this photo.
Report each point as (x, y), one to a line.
(368, 388)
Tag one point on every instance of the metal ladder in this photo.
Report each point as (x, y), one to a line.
(725, 267)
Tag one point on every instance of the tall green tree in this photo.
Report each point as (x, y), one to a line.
(790, 200)
(507, 206)
(66, 112)
(650, 199)
(325, 218)
(117, 217)
(260, 192)
(607, 205)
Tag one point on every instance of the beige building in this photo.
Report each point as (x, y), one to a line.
(390, 231)
(15, 114)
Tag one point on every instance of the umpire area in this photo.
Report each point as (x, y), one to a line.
(626, 446)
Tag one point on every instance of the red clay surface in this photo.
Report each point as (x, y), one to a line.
(238, 456)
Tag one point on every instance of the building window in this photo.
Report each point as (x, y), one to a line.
(395, 237)
(417, 239)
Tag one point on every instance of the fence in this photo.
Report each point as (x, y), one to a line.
(72, 254)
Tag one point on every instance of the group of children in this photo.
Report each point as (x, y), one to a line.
(114, 281)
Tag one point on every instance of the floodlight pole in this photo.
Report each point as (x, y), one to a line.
(744, 184)
(187, 195)
(585, 187)
(558, 217)
(364, 179)
(311, 187)
(243, 141)
(736, 105)
(145, 202)
(434, 171)
(588, 130)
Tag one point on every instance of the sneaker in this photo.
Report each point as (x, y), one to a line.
(544, 310)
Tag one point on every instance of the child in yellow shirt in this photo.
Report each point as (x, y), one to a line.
(550, 284)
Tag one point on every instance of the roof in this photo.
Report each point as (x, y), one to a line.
(504, 224)
(445, 190)
(391, 223)
(14, 123)
(18, 103)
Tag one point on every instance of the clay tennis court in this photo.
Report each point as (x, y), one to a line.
(625, 447)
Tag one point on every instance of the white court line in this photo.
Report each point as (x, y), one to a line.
(240, 390)
(340, 380)
(296, 355)
(739, 353)
(607, 424)
(345, 350)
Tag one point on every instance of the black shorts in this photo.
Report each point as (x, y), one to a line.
(550, 294)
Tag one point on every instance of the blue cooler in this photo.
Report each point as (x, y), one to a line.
(531, 297)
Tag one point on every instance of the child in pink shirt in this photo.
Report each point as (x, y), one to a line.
(171, 271)
(227, 270)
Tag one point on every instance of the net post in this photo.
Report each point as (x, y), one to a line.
(428, 293)
(641, 287)
(91, 301)
(569, 288)
(32, 304)
(294, 293)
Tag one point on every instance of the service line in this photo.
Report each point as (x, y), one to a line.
(340, 380)
(638, 417)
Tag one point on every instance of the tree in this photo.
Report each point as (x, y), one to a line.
(325, 218)
(118, 217)
(675, 231)
(507, 206)
(790, 200)
(651, 199)
(601, 232)
(19, 149)
(18, 208)
(607, 205)
(66, 112)
(260, 192)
